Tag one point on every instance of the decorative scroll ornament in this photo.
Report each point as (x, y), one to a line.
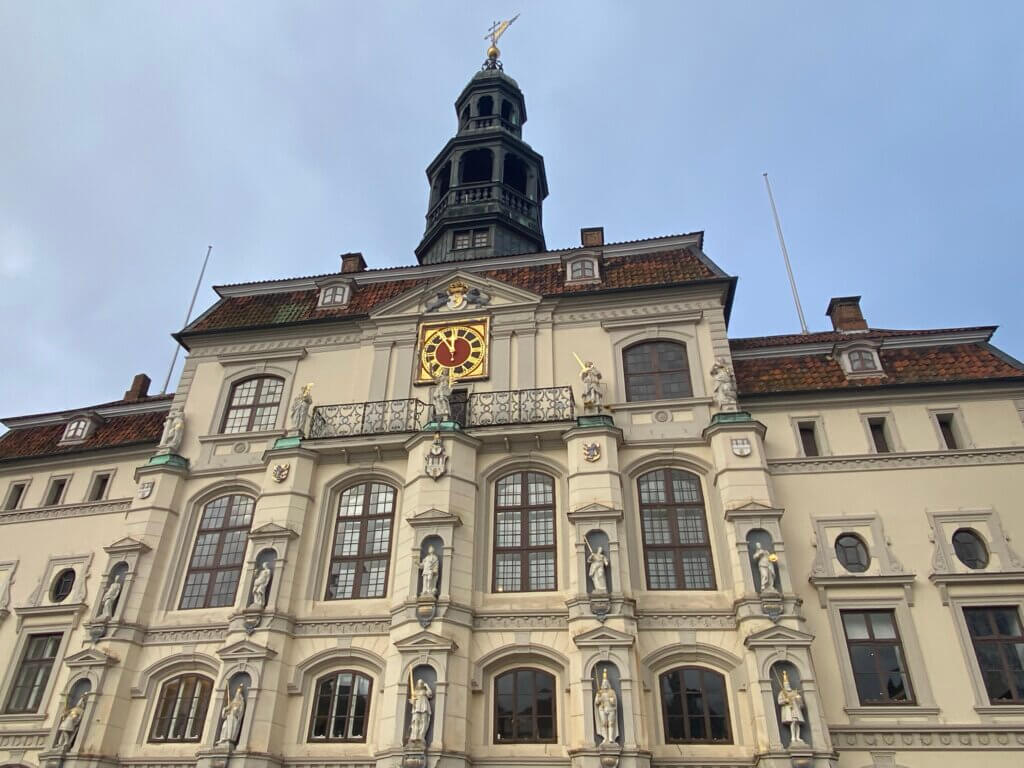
(458, 296)
(280, 472)
(741, 446)
(591, 452)
(146, 489)
(435, 463)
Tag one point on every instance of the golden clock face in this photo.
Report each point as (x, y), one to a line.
(454, 349)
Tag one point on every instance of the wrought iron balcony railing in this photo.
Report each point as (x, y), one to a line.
(518, 406)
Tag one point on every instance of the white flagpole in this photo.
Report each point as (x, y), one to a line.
(785, 256)
(188, 316)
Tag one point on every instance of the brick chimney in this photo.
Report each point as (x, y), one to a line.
(846, 315)
(352, 262)
(139, 388)
(592, 237)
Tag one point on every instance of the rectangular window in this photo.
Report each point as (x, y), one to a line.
(876, 655)
(480, 238)
(100, 483)
(462, 239)
(55, 494)
(878, 436)
(808, 438)
(14, 495)
(999, 646)
(948, 431)
(32, 673)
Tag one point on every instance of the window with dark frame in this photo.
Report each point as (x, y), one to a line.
(877, 658)
(677, 548)
(808, 438)
(14, 495)
(216, 564)
(852, 553)
(524, 707)
(481, 238)
(100, 483)
(341, 707)
(861, 360)
(970, 549)
(253, 405)
(694, 706)
(947, 430)
(656, 370)
(524, 533)
(33, 673)
(999, 647)
(361, 553)
(879, 438)
(181, 708)
(62, 585)
(55, 493)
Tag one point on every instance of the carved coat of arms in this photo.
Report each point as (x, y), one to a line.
(435, 463)
(591, 452)
(280, 472)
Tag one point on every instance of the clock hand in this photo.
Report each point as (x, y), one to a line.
(447, 343)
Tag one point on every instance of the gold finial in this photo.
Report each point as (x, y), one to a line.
(494, 34)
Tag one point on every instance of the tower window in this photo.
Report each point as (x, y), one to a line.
(470, 238)
(808, 438)
(485, 106)
(515, 173)
(480, 238)
(476, 165)
(508, 112)
(443, 180)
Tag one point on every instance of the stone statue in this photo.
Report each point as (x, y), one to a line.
(231, 715)
(606, 711)
(260, 585)
(791, 709)
(430, 566)
(441, 397)
(765, 561)
(300, 410)
(69, 722)
(109, 600)
(174, 427)
(593, 398)
(725, 385)
(596, 564)
(419, 701)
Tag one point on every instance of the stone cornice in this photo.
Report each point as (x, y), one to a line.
(931, 737)
(914, 460)
(65, 510)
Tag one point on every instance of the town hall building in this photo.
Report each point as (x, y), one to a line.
(521, 505)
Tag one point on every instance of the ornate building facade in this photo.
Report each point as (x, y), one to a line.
(520, 507)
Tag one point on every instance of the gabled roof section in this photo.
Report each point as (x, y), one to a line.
(498, 293)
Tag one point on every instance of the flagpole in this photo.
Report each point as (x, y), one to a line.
(785, 256)
(188, 316)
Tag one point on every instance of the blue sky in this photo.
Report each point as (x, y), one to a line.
(284, 133)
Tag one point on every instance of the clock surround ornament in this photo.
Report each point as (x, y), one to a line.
(458, 349)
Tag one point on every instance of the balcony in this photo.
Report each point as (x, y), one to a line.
(481, 409)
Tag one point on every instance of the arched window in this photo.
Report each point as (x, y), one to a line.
(443, 180)
(695, 706)
(485, 106)
(181, 709)
(852, 552)
(656, 370)
(216, 564)
(582, 269)
(524, 533)
(515, 173)
(341, 707)
(253, 404)
(362, 542)
(524, 707)
(676, 544)
(970, 548)
(476, 165)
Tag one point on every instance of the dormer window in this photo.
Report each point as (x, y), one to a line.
(76, 429)
(862, 360)
(859, 359)
(582, 269)
(334, 294)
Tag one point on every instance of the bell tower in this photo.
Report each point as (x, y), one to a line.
(487, 185)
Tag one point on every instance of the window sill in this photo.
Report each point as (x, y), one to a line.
(679, 402)
(29, 717)
(898, 711)
(996, 710)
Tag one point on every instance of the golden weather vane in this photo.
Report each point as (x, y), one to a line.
(494, 34)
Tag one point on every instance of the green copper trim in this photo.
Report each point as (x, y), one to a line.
(288, 442)
(731, 417)
(595, 420)
(442, 426)
(168, 459)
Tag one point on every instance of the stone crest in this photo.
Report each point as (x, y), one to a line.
(280, 472)
(591, 452)
(741, 446)
(458, 296)
(146, 489)
(435, 463)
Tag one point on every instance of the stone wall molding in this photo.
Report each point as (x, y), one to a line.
(63, 511)
(915, 460)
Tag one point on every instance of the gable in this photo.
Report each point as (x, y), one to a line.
(431, 297)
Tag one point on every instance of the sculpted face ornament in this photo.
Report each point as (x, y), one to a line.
(280, 472)
(741, 446)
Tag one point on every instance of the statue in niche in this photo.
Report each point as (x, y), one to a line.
(69, 722)
(430, 565)
(419, 702)
(725, 393)
(606, 711)
(441, 396)
(109, 600)
(174, 428)
(300, 410)
(791, 709)
(231, 724)
(593, 397)
(596, 563)
(260, 585)
(765, 561)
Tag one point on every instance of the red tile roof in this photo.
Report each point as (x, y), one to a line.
(639, 271)
(906, 366)
(114, 432)
(820, 337)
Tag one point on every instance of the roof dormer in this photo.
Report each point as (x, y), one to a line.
(334, 292)
(80, 427)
